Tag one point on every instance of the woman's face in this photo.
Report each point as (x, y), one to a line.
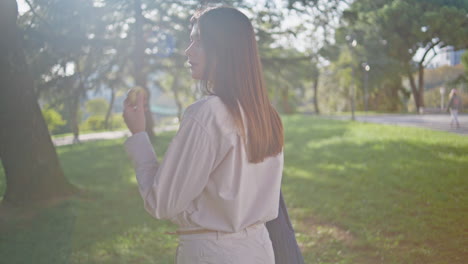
(196, 54)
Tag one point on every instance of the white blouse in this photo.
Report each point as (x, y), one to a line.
(205, 180)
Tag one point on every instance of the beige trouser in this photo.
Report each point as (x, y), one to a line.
(249, 246)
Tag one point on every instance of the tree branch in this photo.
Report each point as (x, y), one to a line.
(427, 51)
(38, 16)
(433, 56)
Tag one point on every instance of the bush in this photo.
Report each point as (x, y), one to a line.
(118, 122)
(97, 122)
(97, 106)
(52, 118)
(94, 122)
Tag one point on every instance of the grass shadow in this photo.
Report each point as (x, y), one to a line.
(45, 238)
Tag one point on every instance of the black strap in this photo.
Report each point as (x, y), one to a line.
(283, 239)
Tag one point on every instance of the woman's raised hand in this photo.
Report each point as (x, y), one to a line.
(134, 114)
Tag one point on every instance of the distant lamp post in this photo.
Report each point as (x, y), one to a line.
(366, 68)
(442, 95)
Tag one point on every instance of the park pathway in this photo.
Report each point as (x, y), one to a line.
(67, 140)
(430, 121)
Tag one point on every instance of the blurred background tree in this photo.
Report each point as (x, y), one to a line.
(410, 41)
(34, 176)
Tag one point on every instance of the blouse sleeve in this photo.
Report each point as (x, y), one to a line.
(167, 189)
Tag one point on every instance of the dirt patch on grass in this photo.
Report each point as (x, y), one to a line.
(324, 231)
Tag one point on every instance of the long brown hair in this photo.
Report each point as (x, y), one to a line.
(234, 74)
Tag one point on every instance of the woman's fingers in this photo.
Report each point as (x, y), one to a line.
(127, 102)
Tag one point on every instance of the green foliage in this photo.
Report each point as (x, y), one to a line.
(94, 123)
(97, 106)
(117, 122)
(91, 46)
(390, 97)
(53, 119)
(465, 62)
(390, 46)
(97, 123)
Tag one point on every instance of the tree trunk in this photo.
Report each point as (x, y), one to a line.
(315, 87)
(421, 86)
(107, 124)
(391, 88)
(74, 109)
(285, 100)
(32, 168)
(414, 89)
(138, 65)
(276, 92)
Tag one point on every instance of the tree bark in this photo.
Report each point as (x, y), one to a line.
(285, 100)
(421, 86)
(414, 89)
(107, 124)
(74, 109)
(418, 91)
(315, 87)
(32, 168)
(138, 65)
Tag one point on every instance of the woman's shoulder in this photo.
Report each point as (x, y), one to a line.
(210, 111)
(204, 103)
(205, 107)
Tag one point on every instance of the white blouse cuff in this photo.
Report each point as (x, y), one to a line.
(139, 148)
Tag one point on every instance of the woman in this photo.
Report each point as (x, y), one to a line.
(455, 104)
(220, 178)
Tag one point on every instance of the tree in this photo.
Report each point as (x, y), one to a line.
(286, 70)
(62, 52)
(319, 22)
(32, 168)
(421, 27)
(377, 75)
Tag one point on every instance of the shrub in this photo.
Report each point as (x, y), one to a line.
(97, 122)
(52, 118)
(94, 122)
(97, 106)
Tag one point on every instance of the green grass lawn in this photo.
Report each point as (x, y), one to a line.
(356, 193)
